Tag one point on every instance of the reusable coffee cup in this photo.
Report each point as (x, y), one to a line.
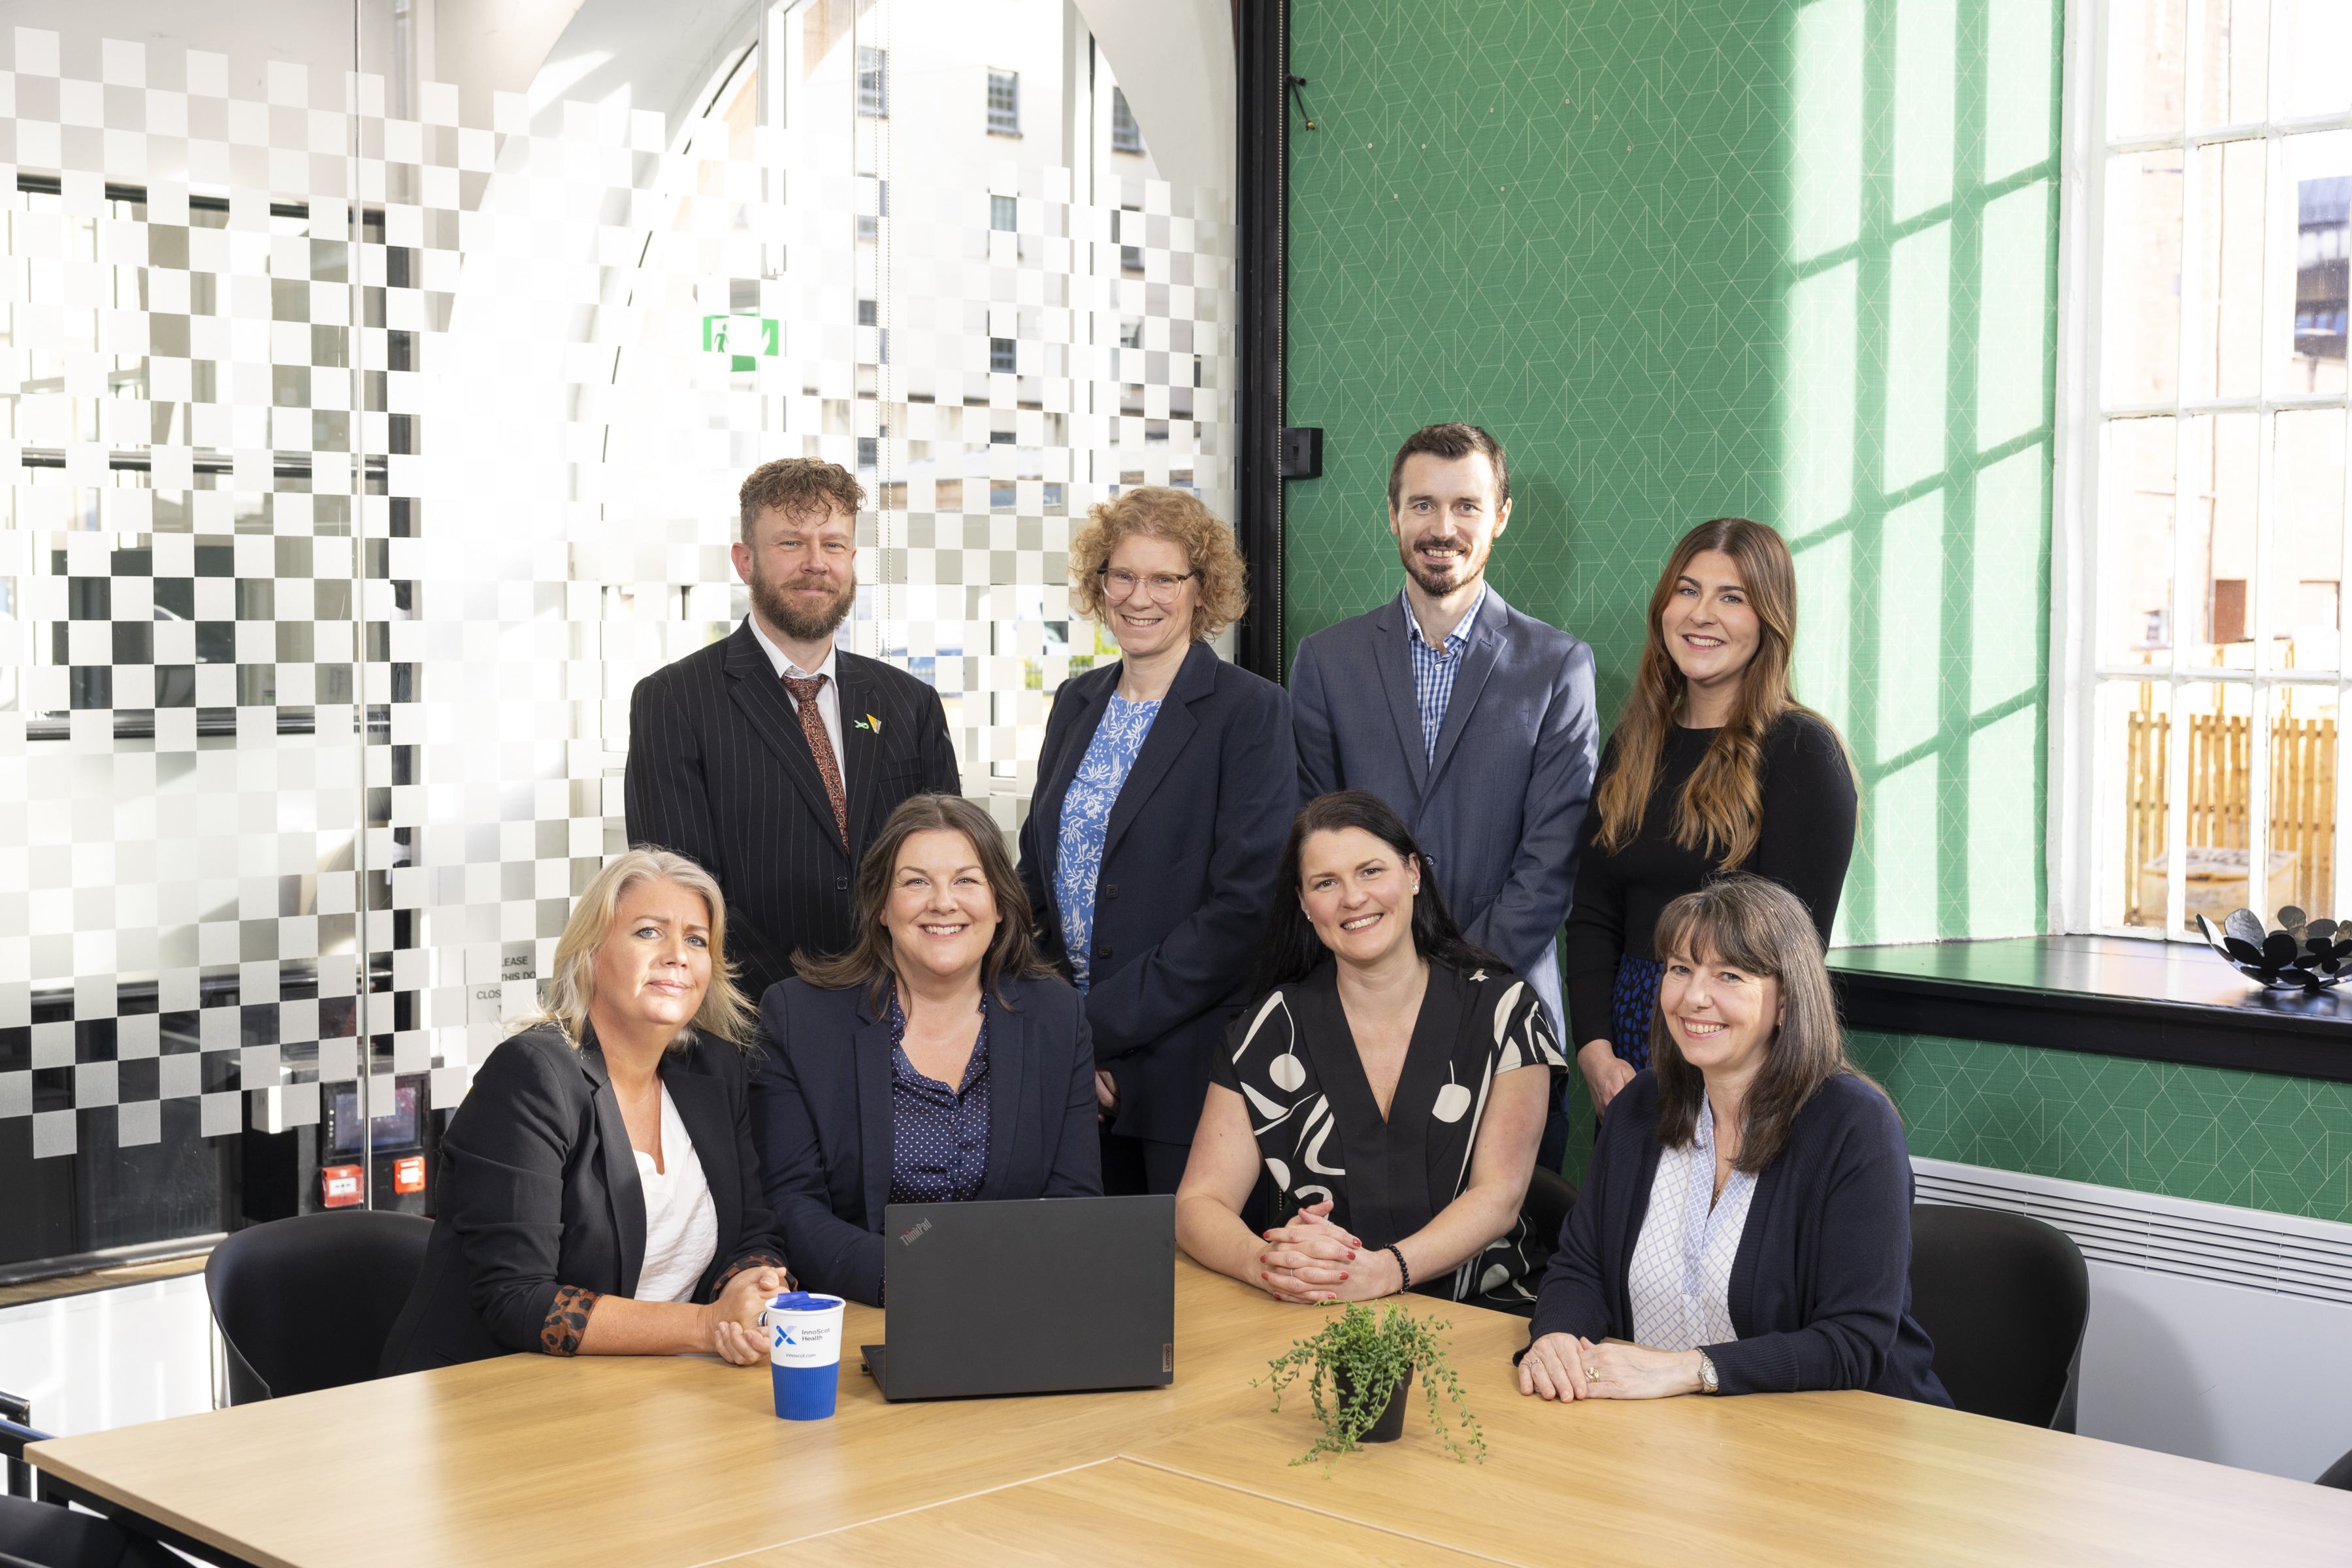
(804, 1352)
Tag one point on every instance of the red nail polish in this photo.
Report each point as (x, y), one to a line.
(1343, 1274)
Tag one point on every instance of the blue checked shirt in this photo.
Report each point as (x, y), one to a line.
(1433, 670)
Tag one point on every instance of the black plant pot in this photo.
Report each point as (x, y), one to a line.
(1390, 1425)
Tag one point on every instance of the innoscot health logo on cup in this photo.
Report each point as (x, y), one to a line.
(804, 1352)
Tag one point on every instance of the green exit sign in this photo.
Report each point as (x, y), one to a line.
(744, 337)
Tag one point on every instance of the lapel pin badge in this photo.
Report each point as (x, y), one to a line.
(870, 724)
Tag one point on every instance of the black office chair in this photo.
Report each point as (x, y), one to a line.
(2006, 1300)
(2338, 1475)
(50, 1535)
(1549, 1197)
(307, 1303)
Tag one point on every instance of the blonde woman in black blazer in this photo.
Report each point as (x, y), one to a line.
(541, 1237)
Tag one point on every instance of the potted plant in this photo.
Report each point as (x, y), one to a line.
(1369, 1360)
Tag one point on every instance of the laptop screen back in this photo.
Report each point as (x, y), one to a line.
(1029, 1297)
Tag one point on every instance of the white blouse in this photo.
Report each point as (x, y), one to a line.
(681, 1225)
(1680, 1279)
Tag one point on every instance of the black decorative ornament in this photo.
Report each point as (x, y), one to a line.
(2299, 954)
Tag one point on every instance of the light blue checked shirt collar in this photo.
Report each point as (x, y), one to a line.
(1434, 668)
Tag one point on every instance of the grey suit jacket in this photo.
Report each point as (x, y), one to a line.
(1498, 808)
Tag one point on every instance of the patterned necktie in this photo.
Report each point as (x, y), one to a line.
(805, 689)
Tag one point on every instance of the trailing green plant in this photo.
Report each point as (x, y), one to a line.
(1373, 1353)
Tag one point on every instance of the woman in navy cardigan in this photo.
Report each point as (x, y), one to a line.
(1165, 787)
(1747, 1220)
(936, 1061)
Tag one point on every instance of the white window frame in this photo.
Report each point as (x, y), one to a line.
(2077, 820)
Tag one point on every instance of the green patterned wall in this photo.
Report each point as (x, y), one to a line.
(1790, 261)
(2250, 1139)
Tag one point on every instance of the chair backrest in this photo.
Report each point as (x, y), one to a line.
(307, 1303)
(1549, 1197)
(49, 1535)
(2005, 1299)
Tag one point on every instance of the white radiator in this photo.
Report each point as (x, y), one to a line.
(2218, 1332)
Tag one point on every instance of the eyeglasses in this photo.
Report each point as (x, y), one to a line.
(1163, 586)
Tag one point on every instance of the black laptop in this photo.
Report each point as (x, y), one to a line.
(1044, 1296)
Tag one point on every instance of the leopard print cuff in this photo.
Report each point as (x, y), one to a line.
(755, 1260)
(567, 1320)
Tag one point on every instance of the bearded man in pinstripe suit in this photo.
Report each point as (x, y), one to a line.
(771, 757)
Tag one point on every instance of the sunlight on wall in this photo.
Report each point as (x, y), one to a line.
(1916, 434)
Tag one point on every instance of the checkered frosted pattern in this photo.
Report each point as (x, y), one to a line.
(357, 467)
(181, 711)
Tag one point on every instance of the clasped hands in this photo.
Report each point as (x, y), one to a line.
(734, 1316)
(1569, 1367)
(1311, 1259)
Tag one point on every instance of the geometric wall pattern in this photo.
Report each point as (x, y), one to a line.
(1793, 262)
(2250, 1139)
(355, 464)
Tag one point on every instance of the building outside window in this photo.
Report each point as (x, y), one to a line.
(1004, 103)
(1126, 135)
(2209, 516)
(873, 81)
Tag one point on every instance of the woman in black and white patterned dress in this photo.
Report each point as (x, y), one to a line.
(1391, 1078)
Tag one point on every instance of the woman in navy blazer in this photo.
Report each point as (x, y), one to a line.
(936, 1060)
(1165, 788)
(1746, 1224)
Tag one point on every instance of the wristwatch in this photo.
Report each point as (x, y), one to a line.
(1707, 1383)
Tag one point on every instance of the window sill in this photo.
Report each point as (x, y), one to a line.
(2167, 1002)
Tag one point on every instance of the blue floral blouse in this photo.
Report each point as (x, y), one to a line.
(1085, 818)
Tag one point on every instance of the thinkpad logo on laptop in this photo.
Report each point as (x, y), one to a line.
(906, 1238)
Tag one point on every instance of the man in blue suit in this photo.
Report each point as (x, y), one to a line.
(1475, 721)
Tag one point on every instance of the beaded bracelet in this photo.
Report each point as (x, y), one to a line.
(1404, 1273)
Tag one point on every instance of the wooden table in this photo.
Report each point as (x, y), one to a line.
(673, 1462)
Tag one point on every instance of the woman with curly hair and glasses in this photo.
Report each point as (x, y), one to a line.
(599, 1193)
(1165, 784)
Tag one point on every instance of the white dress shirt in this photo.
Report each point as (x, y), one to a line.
(1679, 1283)
(828, 696)
(681, 1225)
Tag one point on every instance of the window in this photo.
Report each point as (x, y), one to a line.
(865, 314)
(2211, 435)
(1001, 354)
(1126, 135)
(873, 82)
(1004, 215)
(1004, 103)
(869, 451)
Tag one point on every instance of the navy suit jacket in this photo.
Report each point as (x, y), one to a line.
(1497, 810)
(820, 1111)
(1190, 858)
(1821, 1287)
(720, 772)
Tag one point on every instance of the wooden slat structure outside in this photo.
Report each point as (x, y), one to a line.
(2221, 775)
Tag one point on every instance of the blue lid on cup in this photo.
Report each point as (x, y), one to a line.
(804, 1301)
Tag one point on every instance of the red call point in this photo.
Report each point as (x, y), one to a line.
(339, 1186)
(408, 1174)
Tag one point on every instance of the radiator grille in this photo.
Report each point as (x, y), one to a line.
(2286, 1254)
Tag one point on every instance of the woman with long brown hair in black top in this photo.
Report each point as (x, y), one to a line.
(1714, 766)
